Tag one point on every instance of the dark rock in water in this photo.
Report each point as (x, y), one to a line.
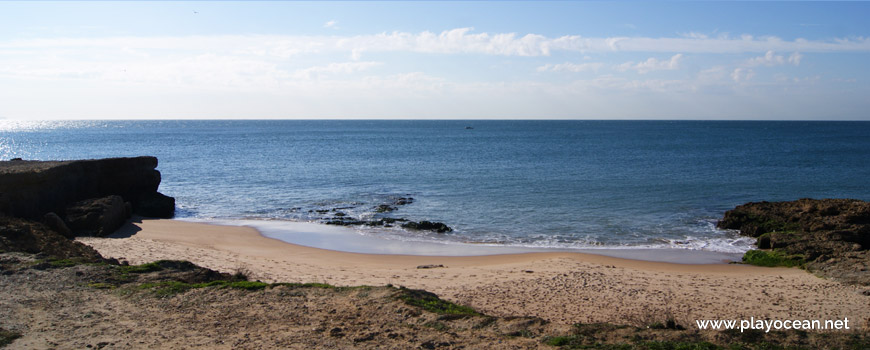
(831, 235)
(343, 221)
(156, 205)
(349, 221)
(54, 222)
(427, 226)
(404, 201)
(30, 189)
(383, 208)
(96, 216)
(340, 214)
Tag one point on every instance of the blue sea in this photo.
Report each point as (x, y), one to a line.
(558, 184)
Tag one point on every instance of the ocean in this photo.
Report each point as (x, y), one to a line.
(533, 184)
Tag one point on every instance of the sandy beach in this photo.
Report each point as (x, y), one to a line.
(561, 287)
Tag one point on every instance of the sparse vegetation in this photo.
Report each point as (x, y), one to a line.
(54, 263)
(765, 224)
(670, 323)
(62, 263)
(169, 288)
(438, 326)
(432, 303)
(144, 268)
(7, 337)
(306, 285)
(525, 333)
(100, 285)
(654, 329)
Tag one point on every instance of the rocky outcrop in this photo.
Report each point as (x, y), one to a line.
(19, 235)
(156, 205)
(831, 236)
(56, 224)
(97, 216)
(30, 189)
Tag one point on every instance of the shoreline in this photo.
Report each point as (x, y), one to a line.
(348, 240)
(563, 287)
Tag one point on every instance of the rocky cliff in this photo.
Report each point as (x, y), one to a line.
(830, 237)
(30, 189)
(83, 197)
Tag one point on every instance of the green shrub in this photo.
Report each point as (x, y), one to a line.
(144, 268)
(558, 341)
(247, 285)
(772, 259)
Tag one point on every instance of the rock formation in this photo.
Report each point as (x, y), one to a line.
(83, 197)
(97, 216)
(831, 236)
(427, 226)
(30, 189)
(19, 235)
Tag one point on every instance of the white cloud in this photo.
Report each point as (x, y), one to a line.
(770, 59)
(330, 24)
(335, 68)
(694, 35)
(741, 74)
(571, 67)
(294, 71)
(203, 71)
(652, 64)
(454, 41)
(713, 76)
(795, 58)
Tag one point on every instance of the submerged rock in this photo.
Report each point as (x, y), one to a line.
(427, 226)
(404, 201)
(383, 208)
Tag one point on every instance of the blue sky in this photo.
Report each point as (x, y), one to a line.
(443, 60)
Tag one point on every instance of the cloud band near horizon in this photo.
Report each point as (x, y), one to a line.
(454, 41)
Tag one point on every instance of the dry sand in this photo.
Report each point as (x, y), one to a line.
(560, 287)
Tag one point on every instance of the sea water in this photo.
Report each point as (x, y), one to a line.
(532, 184)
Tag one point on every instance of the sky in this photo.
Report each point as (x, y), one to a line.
(435, 60)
